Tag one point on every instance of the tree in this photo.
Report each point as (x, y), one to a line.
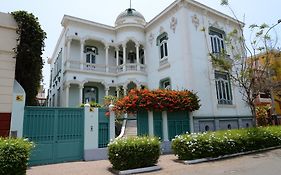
(30, 46)
(243, 68)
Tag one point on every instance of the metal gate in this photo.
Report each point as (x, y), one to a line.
(103, 128)
(58, 134)
(142, 123)
(178, 123)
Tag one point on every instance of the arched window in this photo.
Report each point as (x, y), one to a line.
(162, 42)
(91, 53)
(217, 40)
(223, 88)
(165, 83)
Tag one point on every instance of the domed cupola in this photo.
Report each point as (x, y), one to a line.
(130, 16)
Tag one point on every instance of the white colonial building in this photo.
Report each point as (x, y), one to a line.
(92, 60)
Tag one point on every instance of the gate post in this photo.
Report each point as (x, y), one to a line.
(111, 123)
(16, 126)
(165, 126)
(91, 129)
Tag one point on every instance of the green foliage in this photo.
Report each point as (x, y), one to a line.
(14, 155)
(28, 54)
(214, 144)
(224, 2)
(92, 104)
(137, 152)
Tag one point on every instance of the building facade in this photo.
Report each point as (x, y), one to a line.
(92, 60)
(8, 41)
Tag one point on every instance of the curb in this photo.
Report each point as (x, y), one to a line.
(139, 170)
(190, 162)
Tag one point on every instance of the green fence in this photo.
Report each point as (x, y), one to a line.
(103, 128)
(178, 123)
(58, 134)
(157, 122)
(142, 123)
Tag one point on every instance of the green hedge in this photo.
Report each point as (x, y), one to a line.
(136, 152)
(214, 144)
(14, 155)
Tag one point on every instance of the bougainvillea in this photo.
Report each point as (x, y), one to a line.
(158, 100)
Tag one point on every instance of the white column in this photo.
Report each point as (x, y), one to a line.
(117, 56)
(144, 55)
(125, 90)
(81, 94)
(106, 57)
(124, 57)
(165, 126)
(118, 91)
(81, 54)
(68, 53)
(91, 132)
(138, 55)
(111, 122)
(150, 123)
(67, 86)
(106, 91)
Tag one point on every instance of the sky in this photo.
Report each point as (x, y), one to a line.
(50, 13)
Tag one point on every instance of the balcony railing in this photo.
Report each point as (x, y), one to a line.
(131, 67)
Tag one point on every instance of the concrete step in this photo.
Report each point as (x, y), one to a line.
(131, 128)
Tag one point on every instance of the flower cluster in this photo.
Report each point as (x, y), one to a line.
(158, 100)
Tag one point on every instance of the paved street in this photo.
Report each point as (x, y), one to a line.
(265, 163)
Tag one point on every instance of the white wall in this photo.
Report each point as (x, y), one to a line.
(7, 62)
(18, 109)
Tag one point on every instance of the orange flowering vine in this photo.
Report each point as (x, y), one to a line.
(158, 100)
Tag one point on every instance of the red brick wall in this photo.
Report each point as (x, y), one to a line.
(5, 120)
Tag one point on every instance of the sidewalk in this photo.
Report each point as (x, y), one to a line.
(255, 164)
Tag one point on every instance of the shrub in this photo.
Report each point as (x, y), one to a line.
(136, 152)
(14, 155)
(92, 104)
(214, 144)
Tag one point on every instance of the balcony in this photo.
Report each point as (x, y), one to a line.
(263, 98)
(102, 68)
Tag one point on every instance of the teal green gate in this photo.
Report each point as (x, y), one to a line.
(157, 122)
(142, 123)
(103, 128)
(178, 123)
(58, 134)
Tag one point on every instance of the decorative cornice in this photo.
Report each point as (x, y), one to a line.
(216, 25)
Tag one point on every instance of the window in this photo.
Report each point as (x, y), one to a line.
(217, 40)
(142, 56)
(162, 43)
(90, 94)
(91, 53)
(132, 57)
(165, 83)
(223, 88)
